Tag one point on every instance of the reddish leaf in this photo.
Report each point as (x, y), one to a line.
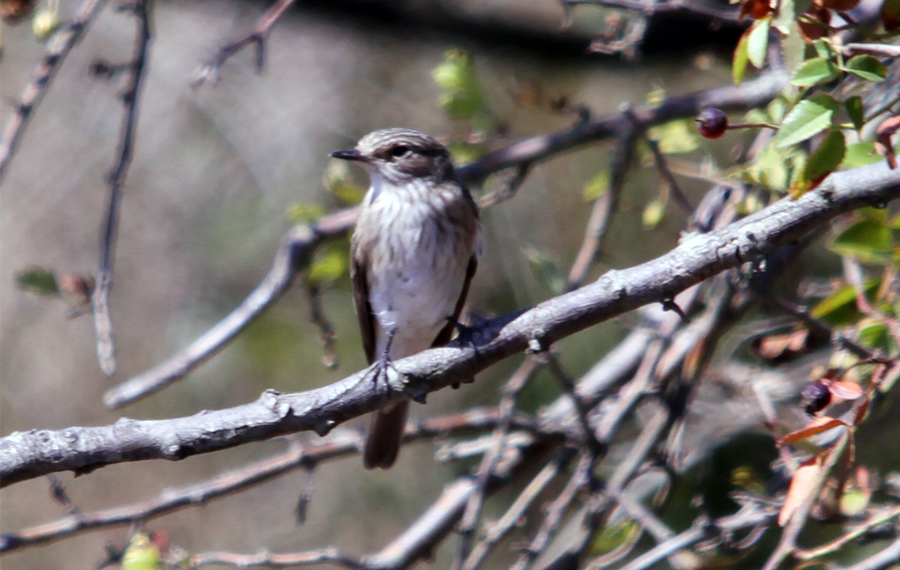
(815, 427)
(803, 486)
(890, 14)
(12, 11)
(817, 27)
(780, 348)
(883, 141)
(861, 412)
(756, 9)
(847, 391)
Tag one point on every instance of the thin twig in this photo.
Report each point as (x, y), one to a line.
(469, 520)
(322, 556)
(554, 514)
(605, 205)
(663, 167)
(885, 558)
(853, 272)
(130, 98)
(293, 255)
(598, 449)
(858, 531)
(512, 518)
(509, 188)
(57, 51)
(748, 516)
(326, 329)
(878, 50)
(683, 7)
(209, 71)
(821, 327)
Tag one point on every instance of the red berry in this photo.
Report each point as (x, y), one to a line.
(712, 123)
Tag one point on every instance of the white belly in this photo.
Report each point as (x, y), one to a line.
(419, 277)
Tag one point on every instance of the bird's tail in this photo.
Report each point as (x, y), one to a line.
(385, 433)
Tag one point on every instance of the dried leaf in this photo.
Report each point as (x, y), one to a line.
(815, 427)
(803, 486)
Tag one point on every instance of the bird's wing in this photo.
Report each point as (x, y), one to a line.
(444, 336)
(363, 308)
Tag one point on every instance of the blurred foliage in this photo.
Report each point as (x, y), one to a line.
(329, 263)
(38, 281)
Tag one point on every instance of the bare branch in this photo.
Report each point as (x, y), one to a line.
(878, 50)
(486, 470)
(130, 98)
(605, 205)
(749, 516)
(209, 71)
(57, 50)
(886, 558)
(323, 556)
(749, 94)
(339, 444)
(27, 455)
(705, 10)
(297, 247)
(294, 255)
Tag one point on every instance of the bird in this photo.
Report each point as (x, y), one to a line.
(413, 254)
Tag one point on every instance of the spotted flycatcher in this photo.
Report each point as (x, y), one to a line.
(413, 255)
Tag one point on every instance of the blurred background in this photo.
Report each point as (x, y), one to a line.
(216, 172)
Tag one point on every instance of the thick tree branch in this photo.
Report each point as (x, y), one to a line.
(298, 246)
(340, 443)
(699, 256)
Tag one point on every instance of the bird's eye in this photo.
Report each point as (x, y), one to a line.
(399, 150)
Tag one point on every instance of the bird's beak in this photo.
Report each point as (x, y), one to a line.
(351, 154)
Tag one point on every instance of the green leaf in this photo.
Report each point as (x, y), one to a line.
(876, 335)
(676, 137)
(822, 162)
(769, 170)
(328, 265)
(777, 109)
(461, 94)
(740, 59)
(823, 50)
(758, 42)
(303, 213)
(141, 554)
(339, 180)
(839, 309)
(613, 536)
(653, 214)
(808, 118)
(869, 241)
(38, 281)
(466, 153)
(867, 67)
(860, 154)
(596, 186)
(793, 47)
(546, 270)
(815, 71)
(785, 20)
(854, 106)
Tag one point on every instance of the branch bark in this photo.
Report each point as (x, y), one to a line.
(25, 455)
